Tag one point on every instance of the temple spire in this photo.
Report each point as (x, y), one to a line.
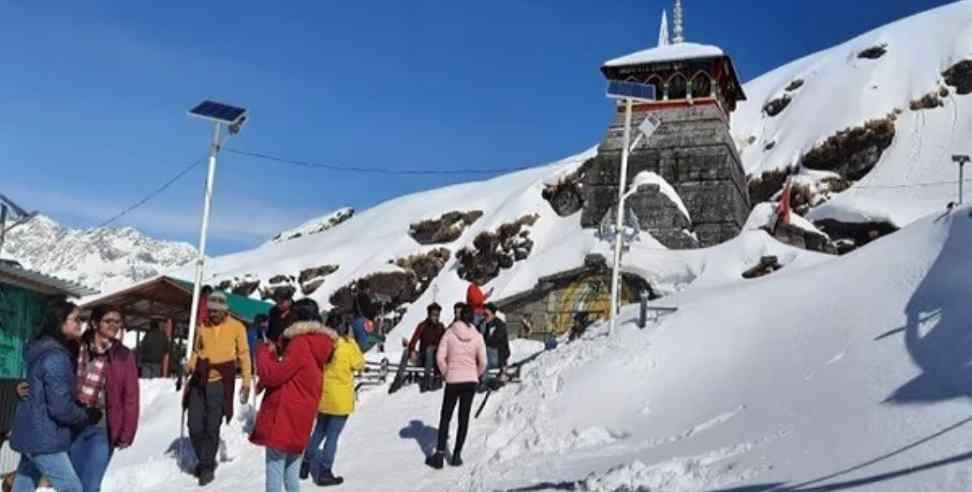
(679, 22)
(663, 39)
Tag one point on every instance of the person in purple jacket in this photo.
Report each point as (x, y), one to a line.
(107, 379)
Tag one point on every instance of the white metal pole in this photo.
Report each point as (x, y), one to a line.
(619, 222)
(201, 260)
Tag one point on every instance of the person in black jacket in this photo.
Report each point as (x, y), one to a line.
(280, 314)
(497, 338)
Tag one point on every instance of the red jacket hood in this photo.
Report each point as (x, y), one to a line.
(321, 340)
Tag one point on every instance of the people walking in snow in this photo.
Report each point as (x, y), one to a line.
(336, 405)
(462, 360)
(280, 315)
(476, 300)
(220, 347)
(427, 336)
(44, 419)
(497, 338)
(154, 352)
(364, 317)
(291, 373)
(107, 380)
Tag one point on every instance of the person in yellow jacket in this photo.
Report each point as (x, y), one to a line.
(220, 348)
(337, 403)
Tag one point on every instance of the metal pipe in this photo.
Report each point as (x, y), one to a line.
(619, 222)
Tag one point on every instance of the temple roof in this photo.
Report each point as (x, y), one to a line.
(671, 52)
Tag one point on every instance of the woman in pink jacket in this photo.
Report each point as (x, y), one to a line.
(462, 360)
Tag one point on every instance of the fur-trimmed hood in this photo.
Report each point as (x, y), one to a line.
(306, 327)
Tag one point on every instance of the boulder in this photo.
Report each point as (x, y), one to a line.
(959, 76)
(446, 229)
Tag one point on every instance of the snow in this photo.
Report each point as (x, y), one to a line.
(658, 54)
(650, 178)
(842, 90)
(799, 377)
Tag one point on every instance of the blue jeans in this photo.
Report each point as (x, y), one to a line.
(328, 430)
(55, 466)
(90, 453)
(283, 471)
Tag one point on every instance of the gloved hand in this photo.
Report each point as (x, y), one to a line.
(94, 415)
(244, 395)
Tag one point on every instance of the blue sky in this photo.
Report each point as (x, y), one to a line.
(94, 96)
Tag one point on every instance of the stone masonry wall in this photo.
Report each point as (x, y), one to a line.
(695, 153)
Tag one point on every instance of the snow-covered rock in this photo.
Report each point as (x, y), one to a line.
(315, 225)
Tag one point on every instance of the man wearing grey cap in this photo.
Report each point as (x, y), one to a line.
(220, 347)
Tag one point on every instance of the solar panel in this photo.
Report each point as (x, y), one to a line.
(618, 89)
(223, 113)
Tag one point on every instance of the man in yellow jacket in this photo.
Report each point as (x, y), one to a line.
(221, 346)
(337, 403)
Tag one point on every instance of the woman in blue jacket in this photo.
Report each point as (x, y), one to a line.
(43, 422)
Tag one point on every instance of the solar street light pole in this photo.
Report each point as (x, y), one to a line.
(203, 235)
(619, 219)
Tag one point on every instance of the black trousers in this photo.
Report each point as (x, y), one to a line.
(205, 418)
(462, 393)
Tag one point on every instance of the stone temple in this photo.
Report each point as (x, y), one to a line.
(696, 90)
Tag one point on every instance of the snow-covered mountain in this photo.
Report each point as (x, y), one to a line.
(912, 78)
(104, 259)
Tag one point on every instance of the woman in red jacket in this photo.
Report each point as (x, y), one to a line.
(293, 384)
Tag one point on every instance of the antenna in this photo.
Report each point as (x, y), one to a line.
(679, 22)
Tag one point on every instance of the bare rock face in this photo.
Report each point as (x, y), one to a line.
(763, 187)
(874, 52)
(931, 100)
(855, 151)
(959, 76)
(566, 196)
(794, 85)
(426, 266)
(310, 279)
(496, 250)
(445, 229)
(390, 290)
(766, 266)
(776, 106)
(850, 236)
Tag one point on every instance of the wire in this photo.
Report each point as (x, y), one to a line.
(153, 194)
(371, 170)
(913, 185)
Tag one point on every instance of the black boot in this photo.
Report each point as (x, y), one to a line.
(436, 460)
(456, 458)
(327, 479)
(206, 477)
(304, 470)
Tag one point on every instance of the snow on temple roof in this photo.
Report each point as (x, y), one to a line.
(678, 51)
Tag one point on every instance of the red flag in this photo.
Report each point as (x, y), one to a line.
(783, 208)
